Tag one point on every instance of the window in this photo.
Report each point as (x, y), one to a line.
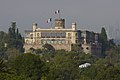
(76, 34)
(27, 41)
(69, 35)
(76, 41)
(52, 42)
(27, 35)
(87, 48)
(63, 41)
(48, 35)
(53, 35)
(44, 42)
(63, 35)
(43, 34)
(48, 41)
(58, 35)
(55, 42)
(59, 42)
(82, 48)
(38, 34)
(31, 36)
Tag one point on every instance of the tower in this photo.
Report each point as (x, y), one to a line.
(34, 32)
(59, 23)
(74, 26)
(34, 26)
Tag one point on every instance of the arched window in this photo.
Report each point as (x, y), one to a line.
(38, 34)
(27, 41)
(87, 48)
(31, 36)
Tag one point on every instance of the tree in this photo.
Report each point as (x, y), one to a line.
(11, 53)
(15, 38)
(111, 43)
(103, 34)
(108, 73)
(2, 65)
(3, 38)
(104, 41)
(28, 65)
(75, 47)
(62, 67)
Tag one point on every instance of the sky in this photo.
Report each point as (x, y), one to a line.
(88, 14)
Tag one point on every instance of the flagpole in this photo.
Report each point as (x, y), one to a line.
(59, 14)
(51, 24)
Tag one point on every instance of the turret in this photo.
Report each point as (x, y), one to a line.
(73, 26)
(59, 23)
(34, 32)
(34, 26)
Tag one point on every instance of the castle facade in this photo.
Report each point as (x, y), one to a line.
(61, 38)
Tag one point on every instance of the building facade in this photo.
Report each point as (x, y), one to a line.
(61, 38)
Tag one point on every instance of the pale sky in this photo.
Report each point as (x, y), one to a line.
(88, 14)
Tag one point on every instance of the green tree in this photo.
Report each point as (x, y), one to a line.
(3, 38)
(28, 65)
(104, 41)
(75, 47)
(108, 73)
(3, 52)
(11, 53)
(62, 68)
(2, 65)
(15, 39)
(3, 44)
(103, 34)
(111, 43)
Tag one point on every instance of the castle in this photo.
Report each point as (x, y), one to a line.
(61, 38)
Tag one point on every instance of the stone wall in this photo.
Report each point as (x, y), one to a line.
(94, 49)
(66, 47)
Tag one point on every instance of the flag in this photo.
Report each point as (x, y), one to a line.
(57, 12)
(49, 20)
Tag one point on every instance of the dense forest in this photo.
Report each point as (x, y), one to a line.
(50, 64)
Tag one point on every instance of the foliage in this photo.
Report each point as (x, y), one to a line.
(75, 47)
(103, 34)
(11, 43)
(11, 53)
(2, 65)
(62, 68)
(3, 52)
(111, 43)
(28, 65)
(104, 41)
(62, 65)
(6, 76)
(48, 64)
(3, 38)
(15, 39)
(65, 65)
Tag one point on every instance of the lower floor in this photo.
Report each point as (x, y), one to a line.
(94, 49)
